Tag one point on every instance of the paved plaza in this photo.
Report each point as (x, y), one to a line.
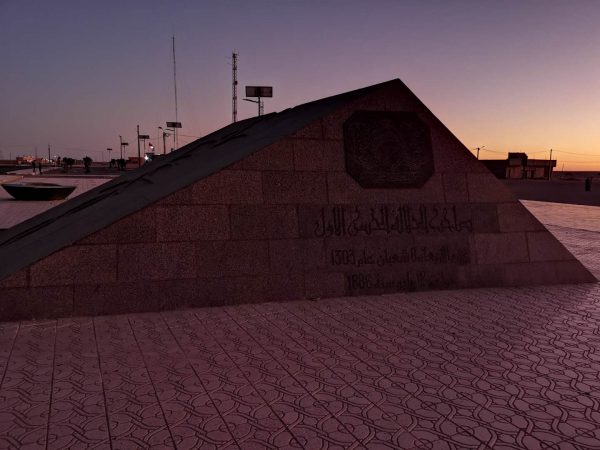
(13, 212)
(481, 368)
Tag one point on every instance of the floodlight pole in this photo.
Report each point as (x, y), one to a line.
(164, 136)
(174, 126)
(234, 84)
(260, 104)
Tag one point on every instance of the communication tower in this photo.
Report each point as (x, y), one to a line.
(234, 84)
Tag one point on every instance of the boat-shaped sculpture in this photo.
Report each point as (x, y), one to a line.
(38, 191)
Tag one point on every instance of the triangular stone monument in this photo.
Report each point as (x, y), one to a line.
(362, 193)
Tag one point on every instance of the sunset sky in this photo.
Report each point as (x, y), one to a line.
(508, 75)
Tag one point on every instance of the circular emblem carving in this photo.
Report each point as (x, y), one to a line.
(388, 149)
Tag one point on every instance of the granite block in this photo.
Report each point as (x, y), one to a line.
(486, 188)
(342, 189)
(530, 274)
(333, 122)
(229, 186)
(17, 279)
(493, 248)
(543, 246)
(297, 255)
(278, 156)
(35, 303)
(481, 275)
(233, 290)
(191, 223)
(159, 261)
(180, 197)
(572, 272)
(319, 155)
(232, 258)
(141, 296)
(249, 289)
(137, 227)
(515, 217)
(324, 284)
(263, 221)
(219, 291)
(485, 218)
(313, 130)
(294, 187)
(309, 223)
(282, 288)
(77, 264)
(172, 294)
(111, 298)
(455, 187)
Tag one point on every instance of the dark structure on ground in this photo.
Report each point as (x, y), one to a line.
(38, 191)
(519, 166)
(307, 203)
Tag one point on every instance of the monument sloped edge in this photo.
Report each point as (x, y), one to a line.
(309, 216)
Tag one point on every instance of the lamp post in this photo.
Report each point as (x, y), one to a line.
(174, 126)
(165, 134)
(123, 144)
(259, 92)
(260, 105)
(142, 137)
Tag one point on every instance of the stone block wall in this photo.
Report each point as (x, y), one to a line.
(289, 223)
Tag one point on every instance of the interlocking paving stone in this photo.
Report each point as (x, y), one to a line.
(485, 368)
(506, 368)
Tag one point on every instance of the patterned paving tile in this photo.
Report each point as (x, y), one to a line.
(488, 368)
(78, 416)
(136, 418)
(26, 391)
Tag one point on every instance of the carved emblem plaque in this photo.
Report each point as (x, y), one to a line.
(388, 149)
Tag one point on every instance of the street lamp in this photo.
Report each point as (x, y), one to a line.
(259, 92)
(143, 137)
(174, 126)
(123, 144)
(164, 136)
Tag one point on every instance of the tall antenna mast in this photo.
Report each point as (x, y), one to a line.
(234, 83)
(175, 84)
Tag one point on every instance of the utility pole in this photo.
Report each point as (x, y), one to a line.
(479, 148)
(138, 141)
(121, 146)
(550, 165)
(49, 153)
(234, 84)
(175, 85)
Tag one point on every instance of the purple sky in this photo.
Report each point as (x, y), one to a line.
(510, 75)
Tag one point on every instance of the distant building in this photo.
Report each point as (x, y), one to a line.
(518, 166)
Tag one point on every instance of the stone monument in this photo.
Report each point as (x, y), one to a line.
(365, 192)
